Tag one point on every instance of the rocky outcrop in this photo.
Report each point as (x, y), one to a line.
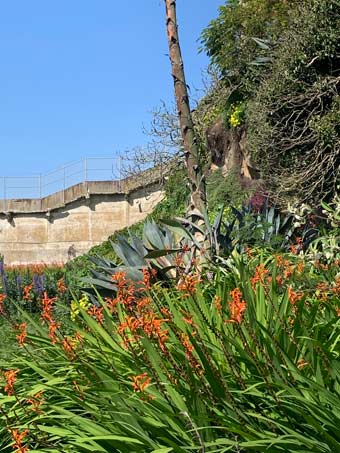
(228, 151)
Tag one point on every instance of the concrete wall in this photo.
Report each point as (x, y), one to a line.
(68, 223)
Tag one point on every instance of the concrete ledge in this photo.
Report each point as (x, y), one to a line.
(62, 198)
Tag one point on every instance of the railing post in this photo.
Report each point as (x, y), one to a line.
(120, 173)
(85, 169)
(40, 186)
(5, 195)
(64, 183)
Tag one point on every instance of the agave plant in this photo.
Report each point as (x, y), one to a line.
(269, 226)
(168, 250)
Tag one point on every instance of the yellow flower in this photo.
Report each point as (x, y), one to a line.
(235, 117)
(77, 305)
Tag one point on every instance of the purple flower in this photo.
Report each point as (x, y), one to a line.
(38, 284)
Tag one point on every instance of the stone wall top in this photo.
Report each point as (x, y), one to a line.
(82, 190)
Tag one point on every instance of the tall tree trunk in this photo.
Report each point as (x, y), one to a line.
(194, 168)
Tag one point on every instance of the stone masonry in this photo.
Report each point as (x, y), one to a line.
(68, 223)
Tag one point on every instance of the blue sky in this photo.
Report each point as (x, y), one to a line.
(79, 77)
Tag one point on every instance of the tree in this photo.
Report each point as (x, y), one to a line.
(191, 150)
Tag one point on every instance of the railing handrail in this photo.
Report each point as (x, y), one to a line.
(66, 179)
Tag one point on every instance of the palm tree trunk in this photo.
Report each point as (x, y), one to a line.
(194, 169)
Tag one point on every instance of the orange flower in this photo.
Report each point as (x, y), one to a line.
(47, 305)
(2, 298)
(27, 291)
(259, 276)
(61, 285)
(18, 439)
(288, 271)
(21, 337)
(131, 324)
(279, 280)
(322, 289)
(97, 313)
(217, 303)
(140, 382)
(52, 328)
(36, 401)
(237, 306)
(10, 377)
(143, 303)
(188, 283)
(189, 353)
(120, 279)
(111, 303)
(336, 288)
(300, 267)
(338, 311)
(68, 347)
(146, 280)
(249, 252)
(294, 296)
(187, 345)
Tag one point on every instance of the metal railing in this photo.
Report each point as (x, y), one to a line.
(84, 170)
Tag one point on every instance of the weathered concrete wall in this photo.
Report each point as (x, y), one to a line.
(68, 223)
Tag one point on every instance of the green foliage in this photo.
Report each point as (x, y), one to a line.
(224, 190)
(293, 121)
(229, 40)
(247, 362)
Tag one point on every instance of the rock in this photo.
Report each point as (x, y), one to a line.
(228, 151)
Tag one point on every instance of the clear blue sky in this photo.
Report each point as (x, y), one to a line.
(79, 77)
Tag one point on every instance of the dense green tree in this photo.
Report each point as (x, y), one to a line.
(294, 118)
(241, 38)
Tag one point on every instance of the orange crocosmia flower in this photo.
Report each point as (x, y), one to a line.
(2, 298)
(68, 347)
(249, 252)
(146, 282)
(279, 280)
(300, 267)
(187, 345)
(259, 276)
(143, 302)
(97, 313)
(131, 323)
(21, 337)
(140, 382)
(165, 311)
(288, 271)
(120, 279)
(78, 337)
(188, 283)
(18, 438)
(336, 287)
(36, 401)
(218, 304)
(27, 291)
(322, 289)
(52, 328)
(237, 306)
(111, 303)
(294, 296)
(11, 377)
(61, 285)
(47, 305)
